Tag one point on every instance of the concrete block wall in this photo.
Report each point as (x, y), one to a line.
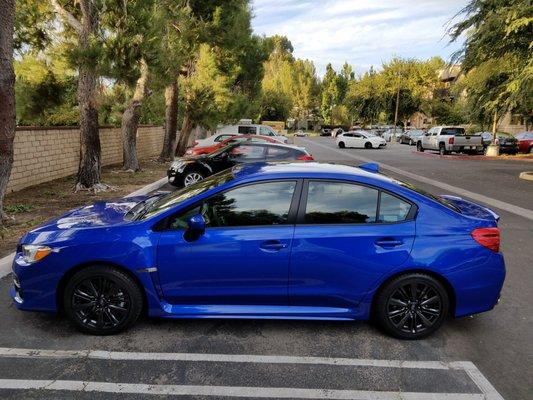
(45, 154)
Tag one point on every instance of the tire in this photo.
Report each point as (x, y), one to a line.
(190, 177)
(400, 316)
(411, 143)
(531, 150)
(419, 147)
(342, 145)
(368, 145)
(102, 300)
(442, 149)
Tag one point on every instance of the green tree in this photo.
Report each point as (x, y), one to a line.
(330, 93)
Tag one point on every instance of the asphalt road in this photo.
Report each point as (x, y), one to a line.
(332, 359)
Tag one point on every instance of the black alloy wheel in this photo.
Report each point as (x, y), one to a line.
(102, 300)
(412, 306)
(368, 145)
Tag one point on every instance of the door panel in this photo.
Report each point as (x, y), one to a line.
(335, 265)
(246, 265)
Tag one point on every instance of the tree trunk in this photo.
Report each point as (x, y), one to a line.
(7, 96)
(89, 171)
(185, 133)
(130, 122)
(171, 122)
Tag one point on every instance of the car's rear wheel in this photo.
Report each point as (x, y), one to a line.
(342, 145)
(411, 143)
(419, 147)
(191, 177)
(442, 149)
(531, 150)
(102, 300)
(411, 306)
(368, 145)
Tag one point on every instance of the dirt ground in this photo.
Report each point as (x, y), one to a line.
(32, 206)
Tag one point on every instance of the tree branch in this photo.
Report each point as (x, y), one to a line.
(67, 17)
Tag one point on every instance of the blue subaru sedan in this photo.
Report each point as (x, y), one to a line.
(289, 241)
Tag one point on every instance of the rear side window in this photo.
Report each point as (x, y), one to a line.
(392, 209)
(340, 203)
(247, 130)
(277, 152)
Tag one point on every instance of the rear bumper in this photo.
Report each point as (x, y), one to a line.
(467, 148)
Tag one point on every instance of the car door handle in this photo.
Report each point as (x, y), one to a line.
(272, 245)
(388, 242)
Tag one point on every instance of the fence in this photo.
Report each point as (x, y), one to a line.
(44, 154)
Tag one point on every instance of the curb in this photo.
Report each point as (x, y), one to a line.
(5, 262)
(527, 176)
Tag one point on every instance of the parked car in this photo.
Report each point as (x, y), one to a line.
(446, 139)
(336, 132)
(301, 133)
(387, 135)
(360, 139)
(525, 142)
(325, 132)
(222, 248)
(189, 170)
(507, 142)
(242, 129)
(411, 137)
(198, 150)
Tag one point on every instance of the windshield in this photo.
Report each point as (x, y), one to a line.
(174, 198)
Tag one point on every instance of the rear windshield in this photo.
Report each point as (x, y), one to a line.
(452, 131)
(438, 199)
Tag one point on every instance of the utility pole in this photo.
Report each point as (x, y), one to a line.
(393, 138)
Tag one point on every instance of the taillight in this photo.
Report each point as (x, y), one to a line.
(305, 157)
(487, 237)
(451, 140)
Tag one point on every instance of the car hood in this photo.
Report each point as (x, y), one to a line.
(99, 214)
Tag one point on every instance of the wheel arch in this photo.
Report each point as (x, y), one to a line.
(440, 278)
(72, 271)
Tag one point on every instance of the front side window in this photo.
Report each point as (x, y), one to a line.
(340, 203)
(266, 131)
(259, 204)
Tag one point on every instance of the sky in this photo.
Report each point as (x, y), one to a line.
(364, 33)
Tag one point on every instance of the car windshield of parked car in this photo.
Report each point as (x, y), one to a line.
(172, 199)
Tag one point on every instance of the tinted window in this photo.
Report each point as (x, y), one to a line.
(392, 209)
(278, 152)
(340, 203)
(452, 131)
(246, 152)
(245, 129)
(260, 204)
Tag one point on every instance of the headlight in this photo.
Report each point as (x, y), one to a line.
(33, 253)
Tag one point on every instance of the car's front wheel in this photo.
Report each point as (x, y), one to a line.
(102, 300)
(411, 306)
(368, 145)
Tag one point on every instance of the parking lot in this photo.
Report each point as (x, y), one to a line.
(486, 356)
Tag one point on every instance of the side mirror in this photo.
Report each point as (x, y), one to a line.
(196, 227)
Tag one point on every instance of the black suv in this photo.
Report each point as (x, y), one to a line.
(188, 170)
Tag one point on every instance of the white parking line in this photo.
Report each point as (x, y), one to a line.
(489, 392)
(522, 212)
(228, 391)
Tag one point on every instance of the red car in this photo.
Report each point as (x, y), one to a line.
(196, 151)
(525, 142)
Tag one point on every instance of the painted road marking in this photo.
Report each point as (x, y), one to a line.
(522, 212)
(228, 391)
(488, 391)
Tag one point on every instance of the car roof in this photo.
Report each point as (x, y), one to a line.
(305, 170)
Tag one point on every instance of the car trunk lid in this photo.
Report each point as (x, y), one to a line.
(471, 209)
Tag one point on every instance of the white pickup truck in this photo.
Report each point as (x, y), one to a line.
(446, 139)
